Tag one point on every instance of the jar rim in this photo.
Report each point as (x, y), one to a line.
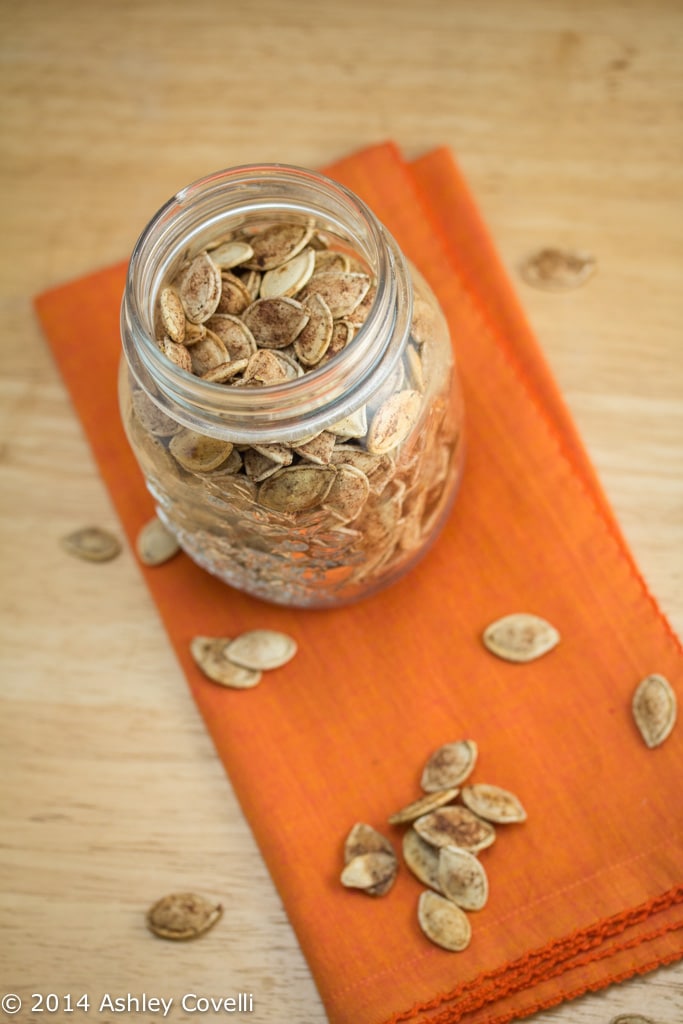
(322, 395)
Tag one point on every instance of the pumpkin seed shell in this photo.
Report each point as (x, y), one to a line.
(261, 649)
(155, 544)
(443, 922)
(654, 709)
(92, 544)
(449, 765)
(365, 839)
(183, 915)
(493, 803)
(422, 858)
(210, 655)
(424, 805)
(520, 637)
(374, 873)
(455, 826)
(462, 878)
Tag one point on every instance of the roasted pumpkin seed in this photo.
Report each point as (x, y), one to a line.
(210, 654)
(449, 765)
(155, 544)
(393, 421)
(342, 292)
(197, 452)
(365, 839)
(558, 270)
(443, 922)
(277, 244)
(493, 803)
(374, 873)
(182, 916)
(423, 805)
(289, 277)
(520, 637)
(654, 709)
(275, 323)
(455, 826)
(296, 488)
(462, 878)
(92, 544)
(261, 649)
(422, 858)
(172, 313)
(199, 288)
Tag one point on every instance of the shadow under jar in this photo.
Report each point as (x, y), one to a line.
(288, 387)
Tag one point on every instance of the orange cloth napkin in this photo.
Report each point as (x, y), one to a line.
(590, 889)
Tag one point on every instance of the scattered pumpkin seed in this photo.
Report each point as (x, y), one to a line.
(631, 1018)
(210, 654)
(654, 709)
(261, 649)
(374, 873)
(449, 765)
(455, 826)
(462, 878)
(493, 803)
(155, 544)
(423, 805)
(443, 922)
(92, 544)
(365, 839)
(422, 858)
(183, 915)
(520, 637)
(558, 269)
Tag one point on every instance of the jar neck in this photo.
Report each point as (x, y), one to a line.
(216, 205)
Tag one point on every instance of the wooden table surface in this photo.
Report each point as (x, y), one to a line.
(566, 118)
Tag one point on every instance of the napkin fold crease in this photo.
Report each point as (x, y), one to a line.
(589, 890)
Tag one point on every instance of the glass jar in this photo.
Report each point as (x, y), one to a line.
(302, 478)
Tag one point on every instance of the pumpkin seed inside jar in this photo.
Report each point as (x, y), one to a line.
(327, 507)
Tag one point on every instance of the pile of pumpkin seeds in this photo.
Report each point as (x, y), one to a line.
(264, 306)
(440, 845)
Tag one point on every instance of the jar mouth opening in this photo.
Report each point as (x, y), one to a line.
(216, 204)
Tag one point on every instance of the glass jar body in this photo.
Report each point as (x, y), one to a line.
(321, 488)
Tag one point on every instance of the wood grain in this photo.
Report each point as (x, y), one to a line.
(565, 117)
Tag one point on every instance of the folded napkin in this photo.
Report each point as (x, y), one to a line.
(589, 890)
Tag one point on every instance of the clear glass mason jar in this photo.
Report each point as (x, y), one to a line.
(324, 479)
